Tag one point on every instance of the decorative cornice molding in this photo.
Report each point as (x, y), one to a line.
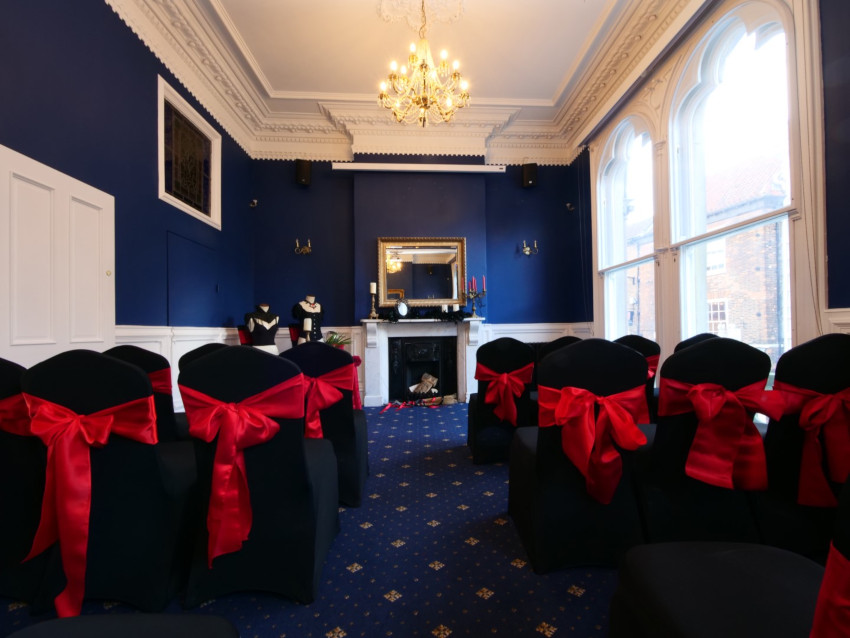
(187, 38)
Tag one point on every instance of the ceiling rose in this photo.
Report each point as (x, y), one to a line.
(410, 10)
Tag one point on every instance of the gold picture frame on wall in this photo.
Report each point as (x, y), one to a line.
(430, 270)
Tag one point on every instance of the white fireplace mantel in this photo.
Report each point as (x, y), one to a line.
(377, 366)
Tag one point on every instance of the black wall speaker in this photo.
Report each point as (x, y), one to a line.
(302, 171)
(529, 175)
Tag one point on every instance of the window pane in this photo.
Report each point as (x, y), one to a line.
(626, 199)
(630, 301)
(733, 135)
(748, 299)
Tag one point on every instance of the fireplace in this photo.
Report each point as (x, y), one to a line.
(457, 354)
(412, 357)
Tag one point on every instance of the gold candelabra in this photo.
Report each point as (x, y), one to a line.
(473, 295)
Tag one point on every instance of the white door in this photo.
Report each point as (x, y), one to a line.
(57, 250)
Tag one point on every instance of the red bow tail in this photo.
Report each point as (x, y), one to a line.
(238, 426)
(66, 506)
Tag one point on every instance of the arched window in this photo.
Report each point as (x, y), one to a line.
(625, 232)
(709, 250)
(730, 183)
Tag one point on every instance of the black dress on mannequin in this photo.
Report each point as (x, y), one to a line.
(309, 308)
(262, 325)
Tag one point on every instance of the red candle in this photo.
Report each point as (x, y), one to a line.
(474, 285)
(484, 282)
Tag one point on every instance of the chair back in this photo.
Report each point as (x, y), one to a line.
(601, 367)
(128, 510)
(280, 489)
(812, 373)
(196, 353)
(556, 344)
(504, 355)
(158, 370)
(651, 351)
(692, 341)
(22, 465)
(807, 450)
(330, 373)
(696, 485)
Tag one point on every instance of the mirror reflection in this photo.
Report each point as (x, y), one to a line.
(422, 271)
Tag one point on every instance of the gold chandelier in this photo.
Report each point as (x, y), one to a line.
(422, 87)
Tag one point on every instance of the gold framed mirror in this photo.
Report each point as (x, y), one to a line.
(424, 271)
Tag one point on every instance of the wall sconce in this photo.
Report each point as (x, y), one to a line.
(528, 251)
(303, 250)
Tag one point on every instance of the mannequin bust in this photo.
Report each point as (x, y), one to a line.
(309, 313)
(262, 325)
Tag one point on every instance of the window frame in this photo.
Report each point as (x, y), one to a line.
(654, 104)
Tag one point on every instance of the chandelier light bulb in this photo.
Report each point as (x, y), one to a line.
(393, 66)
(444, 54)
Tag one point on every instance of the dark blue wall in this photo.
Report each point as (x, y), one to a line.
(80, 95)
(835, 22)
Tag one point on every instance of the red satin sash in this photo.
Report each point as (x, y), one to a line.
(825, 418)
(66, 506)
(503, 387)
(587, 440)
(356, 401)
(14, 415)
(161, 380)
(322, 392)
(727, 450)
(832, 612)
(238, 426)
(652, 365)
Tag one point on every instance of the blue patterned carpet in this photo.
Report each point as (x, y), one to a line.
(432, 552)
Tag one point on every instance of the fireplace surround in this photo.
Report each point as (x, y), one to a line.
(467, 335)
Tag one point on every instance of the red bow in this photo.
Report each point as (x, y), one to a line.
(238, 426)
(727, 450)
(14, 415)
(652, 365)
(322, 392)
(161, 380)
(587, 440)
(66, 505)
(825, 418)
(832, 611)
(503, 387)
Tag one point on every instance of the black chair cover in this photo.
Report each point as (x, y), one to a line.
(137, 498)
(735, 590)
(342, 425)
(132, 626)
(692, 341)
(292, 483)
(820, 365)
(153, 363)
(195, 354)
(559, 523)
(648, 348)
(488, 436)
(676, 506)
(22, 465)
(556, 344)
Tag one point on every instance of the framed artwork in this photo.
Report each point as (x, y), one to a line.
(189, 158)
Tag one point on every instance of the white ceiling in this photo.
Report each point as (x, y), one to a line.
(299, 78)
